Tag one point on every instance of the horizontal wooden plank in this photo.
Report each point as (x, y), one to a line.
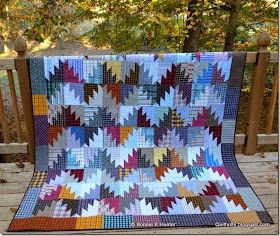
(265, 188)
(274, 57)
(6, 213)
(7, 64)
(240, 139)
(252, 57)
(267, 139)
(261, 177)
(12, 167)
(13, 148)
(269, 200)
(16, 177)
(274, 213)
(268, 166)
(10, 199)
(8, 188)
(262, 139)
(267, 156)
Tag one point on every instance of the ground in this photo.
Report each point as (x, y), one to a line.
(261, 170)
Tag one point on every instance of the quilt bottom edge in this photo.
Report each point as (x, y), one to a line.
(101, 222)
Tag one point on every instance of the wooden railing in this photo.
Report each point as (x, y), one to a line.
(257, 95)
(20, 66)
(249, 140)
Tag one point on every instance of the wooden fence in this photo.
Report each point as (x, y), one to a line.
(249, 140)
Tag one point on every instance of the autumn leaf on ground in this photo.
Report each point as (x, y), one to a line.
(13, 209)
(272, 179)
(20, 164)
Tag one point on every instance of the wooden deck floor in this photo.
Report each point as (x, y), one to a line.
(261, 170)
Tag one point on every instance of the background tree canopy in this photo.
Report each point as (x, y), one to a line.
(143, 25)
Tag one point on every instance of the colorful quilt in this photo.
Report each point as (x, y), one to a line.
(133, 141)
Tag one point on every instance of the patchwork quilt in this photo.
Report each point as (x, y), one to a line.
(133, 141)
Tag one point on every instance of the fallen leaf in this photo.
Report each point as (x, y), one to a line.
(20, 164)
(3, 181)
(14, 210)
(272, 179)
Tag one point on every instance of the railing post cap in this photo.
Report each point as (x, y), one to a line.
(20, 44)
(264, 39)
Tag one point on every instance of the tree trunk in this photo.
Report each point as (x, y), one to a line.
(191, 43)
(233, 23)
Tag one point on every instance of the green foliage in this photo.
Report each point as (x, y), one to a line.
(138, 25)
(39, 20)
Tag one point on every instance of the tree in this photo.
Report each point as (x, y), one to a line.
(234, 28)
(233, 23)
(193, 25)
(144, 25)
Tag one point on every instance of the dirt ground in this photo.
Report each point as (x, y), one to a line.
(76, 48)
(47, 48)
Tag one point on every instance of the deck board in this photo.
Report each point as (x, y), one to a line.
(261, 170)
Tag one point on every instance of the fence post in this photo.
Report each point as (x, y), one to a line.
(21, 64)
(257, 93)
(272, 102)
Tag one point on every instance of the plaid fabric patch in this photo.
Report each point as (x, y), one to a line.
(28, 203)
(38, 179)
(123, 172)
